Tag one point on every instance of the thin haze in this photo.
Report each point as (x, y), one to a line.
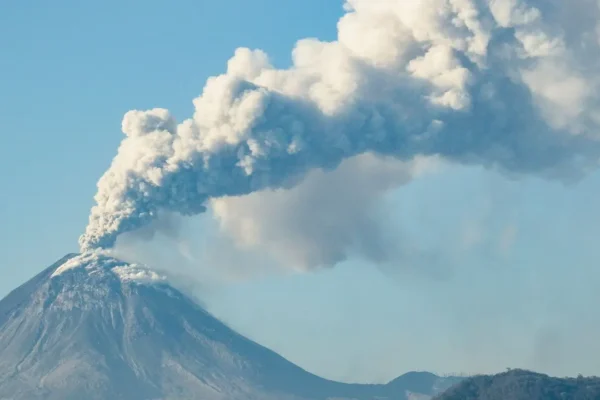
(509, 85)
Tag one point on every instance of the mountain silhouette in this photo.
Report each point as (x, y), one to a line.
(94, 327)
(520, 384)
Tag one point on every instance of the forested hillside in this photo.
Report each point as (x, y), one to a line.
(524, 385)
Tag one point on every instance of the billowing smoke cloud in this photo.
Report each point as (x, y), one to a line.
(327, 218)
(507, 84)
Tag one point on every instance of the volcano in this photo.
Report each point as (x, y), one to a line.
(94, 327)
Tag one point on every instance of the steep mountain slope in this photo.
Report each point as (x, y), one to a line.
(523, 385)
(94, 327)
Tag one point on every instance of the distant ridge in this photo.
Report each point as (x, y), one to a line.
(523, 385)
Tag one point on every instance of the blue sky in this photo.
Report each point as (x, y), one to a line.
(515, 276)
(70, 71)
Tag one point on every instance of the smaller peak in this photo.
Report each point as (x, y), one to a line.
(412, 375)
(520, 372)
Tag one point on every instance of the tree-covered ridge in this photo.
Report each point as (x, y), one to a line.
(524, 385)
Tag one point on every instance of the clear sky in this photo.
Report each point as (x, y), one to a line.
(512, 275)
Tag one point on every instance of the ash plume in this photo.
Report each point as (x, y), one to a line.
(507, 84)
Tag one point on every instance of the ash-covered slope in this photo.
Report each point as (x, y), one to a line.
(94, 327)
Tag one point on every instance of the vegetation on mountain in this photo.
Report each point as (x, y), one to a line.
(523, 385)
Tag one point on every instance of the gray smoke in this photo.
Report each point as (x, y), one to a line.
(507, 84)
(327, 218)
